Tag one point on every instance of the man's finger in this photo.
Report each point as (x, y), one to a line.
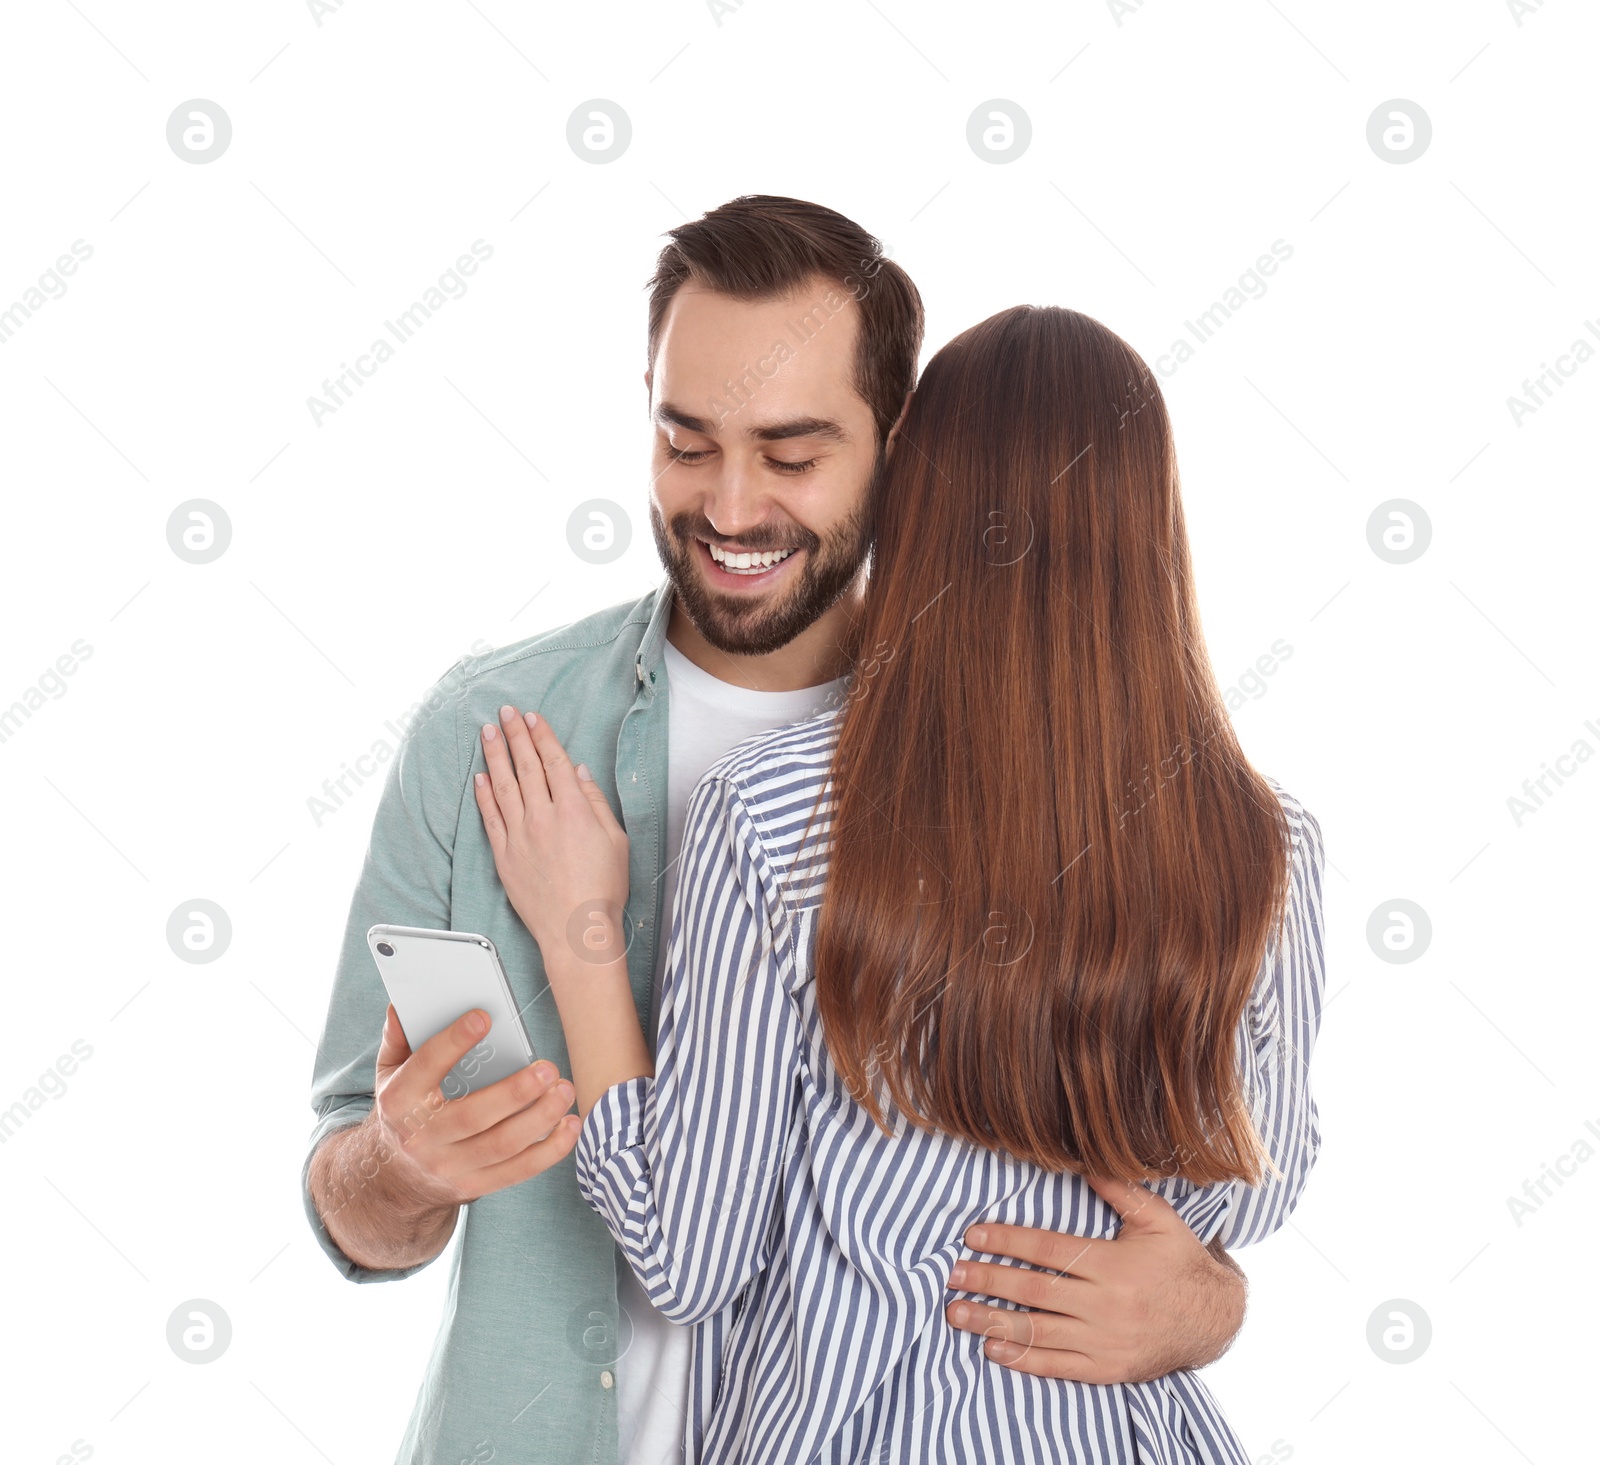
(426, 1068)
(1026, 1286)
(484, 1108)
(1139, 1208)
(1048, 1249)
(534, 1160)
(512, 1135)
(1049, 1363)
(1018, 1325)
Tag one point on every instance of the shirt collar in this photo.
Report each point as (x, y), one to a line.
(647, 661)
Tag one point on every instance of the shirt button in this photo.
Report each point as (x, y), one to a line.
(606, 1380)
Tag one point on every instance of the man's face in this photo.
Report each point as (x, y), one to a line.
(763, 463)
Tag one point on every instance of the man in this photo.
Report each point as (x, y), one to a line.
(783, 350)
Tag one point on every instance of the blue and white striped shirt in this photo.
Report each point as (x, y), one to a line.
(754, 1197)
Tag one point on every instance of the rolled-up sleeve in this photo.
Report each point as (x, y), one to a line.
(684, 1167)
(1284, 1018)
(405, 880)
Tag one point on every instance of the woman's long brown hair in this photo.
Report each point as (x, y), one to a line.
(1052, 873)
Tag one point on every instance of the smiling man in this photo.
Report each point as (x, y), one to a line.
(765, 482)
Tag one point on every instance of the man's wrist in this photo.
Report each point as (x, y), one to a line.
(1231, 1289)
(376, 1212)
(1220, 1252)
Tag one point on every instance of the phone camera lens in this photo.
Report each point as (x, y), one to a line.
(384, 949)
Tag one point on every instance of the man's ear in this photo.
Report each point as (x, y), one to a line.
(899, 422)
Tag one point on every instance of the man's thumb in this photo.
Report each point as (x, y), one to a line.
(1139, 1208)
(393, 1050)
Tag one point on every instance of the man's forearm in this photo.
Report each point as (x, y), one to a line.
(377, 1220)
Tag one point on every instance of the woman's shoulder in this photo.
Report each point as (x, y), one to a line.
(771, 784)
(772, 767)
(1305, 833)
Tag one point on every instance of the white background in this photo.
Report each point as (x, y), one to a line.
(1171, 146)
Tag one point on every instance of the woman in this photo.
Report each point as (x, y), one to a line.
(1018, 911)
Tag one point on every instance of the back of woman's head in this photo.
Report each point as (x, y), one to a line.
(1052, 873)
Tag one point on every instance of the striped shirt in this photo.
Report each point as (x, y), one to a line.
(754, 1197)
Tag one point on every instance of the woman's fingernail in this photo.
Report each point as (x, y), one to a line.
(480, 779)
(532, 718)
(508, 714)
(958, 1275)
(976, 1236)
(583, 773)
(960, 1312)
(488, 732)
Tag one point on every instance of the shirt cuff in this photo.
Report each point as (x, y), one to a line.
(615, 1123)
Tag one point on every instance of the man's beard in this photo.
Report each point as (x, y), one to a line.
(745, 626)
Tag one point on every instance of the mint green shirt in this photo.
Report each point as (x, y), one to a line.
(526, 1353)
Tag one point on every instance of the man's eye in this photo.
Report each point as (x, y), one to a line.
(688, 455)
(786, 467)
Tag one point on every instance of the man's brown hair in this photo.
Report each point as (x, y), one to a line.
(759, 246)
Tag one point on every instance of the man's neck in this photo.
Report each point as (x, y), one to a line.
(819, 654)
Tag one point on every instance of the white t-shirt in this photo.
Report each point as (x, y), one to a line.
(707, 717)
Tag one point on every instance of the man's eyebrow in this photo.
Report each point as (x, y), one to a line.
(666, 412)
(823, 427)
(772, 432)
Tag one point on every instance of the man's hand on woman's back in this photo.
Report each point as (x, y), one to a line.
(1147, 1303)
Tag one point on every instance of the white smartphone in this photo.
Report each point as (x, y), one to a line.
(432, 978)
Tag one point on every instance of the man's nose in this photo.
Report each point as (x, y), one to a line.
(736, 502)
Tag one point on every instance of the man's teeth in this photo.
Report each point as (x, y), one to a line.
(748, 563)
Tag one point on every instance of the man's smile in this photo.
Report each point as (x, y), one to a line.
(726, 566)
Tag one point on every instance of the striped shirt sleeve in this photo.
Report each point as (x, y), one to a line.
(1284, 1018)
(684, 1167)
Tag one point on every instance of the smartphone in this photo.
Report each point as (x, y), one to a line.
(432, 978)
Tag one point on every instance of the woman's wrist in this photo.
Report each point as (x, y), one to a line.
(605, 1042)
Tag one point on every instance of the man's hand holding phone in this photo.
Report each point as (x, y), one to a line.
(481, 1142)
(388, 1189)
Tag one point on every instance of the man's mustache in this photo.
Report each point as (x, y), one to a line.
(688, 526)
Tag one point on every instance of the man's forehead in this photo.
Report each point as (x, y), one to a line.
(703, 327)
